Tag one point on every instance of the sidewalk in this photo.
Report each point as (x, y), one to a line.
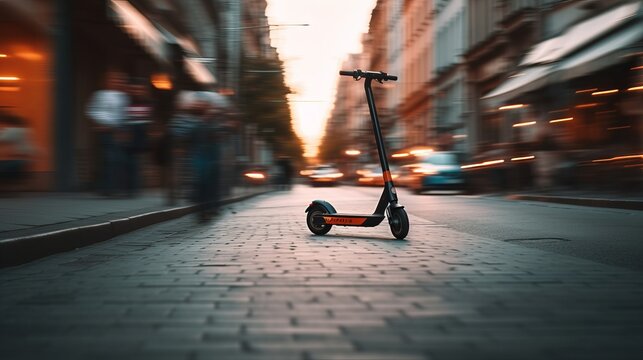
(254, 286)
(39, 224)
(604, 199)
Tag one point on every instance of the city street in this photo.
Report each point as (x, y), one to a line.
(476, 278)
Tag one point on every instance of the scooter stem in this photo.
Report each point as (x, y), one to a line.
(389, 190)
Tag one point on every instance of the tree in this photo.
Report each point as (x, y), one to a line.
(334, 142)
(263, 101)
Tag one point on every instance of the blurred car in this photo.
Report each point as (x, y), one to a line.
(307, 171)
(406, 175)
(256, 175)
(439, 170)
(325, 175)
(372, 175)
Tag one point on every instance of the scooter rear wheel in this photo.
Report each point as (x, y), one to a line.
(399, 223)
(317, 229)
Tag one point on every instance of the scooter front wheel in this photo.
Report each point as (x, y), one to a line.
(317, 229)
(399, 223)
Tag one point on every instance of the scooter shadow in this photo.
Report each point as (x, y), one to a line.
(338, 237)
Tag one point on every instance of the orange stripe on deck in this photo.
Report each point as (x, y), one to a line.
(331, 220)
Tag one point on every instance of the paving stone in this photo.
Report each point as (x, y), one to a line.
(249, 285)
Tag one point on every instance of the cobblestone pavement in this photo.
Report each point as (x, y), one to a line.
(255, 284)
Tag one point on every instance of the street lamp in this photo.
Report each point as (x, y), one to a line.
(265, 26)
(352, 152)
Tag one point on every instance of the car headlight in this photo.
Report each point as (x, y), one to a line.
(255, 175)
(425, 171)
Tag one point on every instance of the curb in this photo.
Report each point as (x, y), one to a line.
(594, 202)
(20, 250)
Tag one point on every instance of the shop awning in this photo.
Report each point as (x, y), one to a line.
(526, 80)
(140, 29)
(585, 48)
(581, 35)
(606, 52)
(199, 72)
(155, 40)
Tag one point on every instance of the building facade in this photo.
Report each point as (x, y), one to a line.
(569, 98)
(554, 83)
(416, 81)
(452, 117)
(500, 33)
(66, 47)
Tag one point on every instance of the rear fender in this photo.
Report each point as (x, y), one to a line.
(325, 204)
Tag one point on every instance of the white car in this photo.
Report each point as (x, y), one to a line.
(325, 175)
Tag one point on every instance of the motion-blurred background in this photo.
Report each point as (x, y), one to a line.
(524, 94)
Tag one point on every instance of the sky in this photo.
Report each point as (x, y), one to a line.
(313, 54)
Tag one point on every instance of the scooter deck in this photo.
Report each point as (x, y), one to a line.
(340, 219)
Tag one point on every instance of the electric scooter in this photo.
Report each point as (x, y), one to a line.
(321, 215)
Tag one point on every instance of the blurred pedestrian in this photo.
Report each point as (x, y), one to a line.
(16, 149)
(205, 161)
(163, 157)
(139, 117)
(161, 142)
(285, 172)
(181, 129)
(107, 109)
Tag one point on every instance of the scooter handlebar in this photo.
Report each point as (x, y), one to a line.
(375, 75)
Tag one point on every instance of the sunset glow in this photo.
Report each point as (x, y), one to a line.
(313, 54)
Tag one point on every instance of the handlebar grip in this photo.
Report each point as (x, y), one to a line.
(373, 75)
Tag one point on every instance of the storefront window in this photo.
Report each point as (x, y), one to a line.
(26, 81)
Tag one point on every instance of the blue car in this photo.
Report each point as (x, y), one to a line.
(437, 170)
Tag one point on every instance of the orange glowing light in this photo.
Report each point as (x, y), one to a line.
(521, 158)
(510, 107)
(637, 68)
(161, 81)
(255, 175)
(585, 106)
(605, 92)
(586, 90)
(486, 163)
(636, 88)
(528, 123)
(9, 78)
(29, 55)
(420, 151)
(352, 152)
(400, 155)
(561, 120)
(425, 170)
(3, 55)
(624, 157)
